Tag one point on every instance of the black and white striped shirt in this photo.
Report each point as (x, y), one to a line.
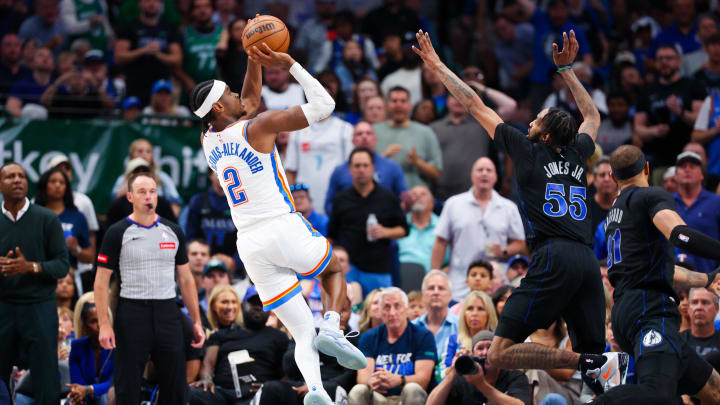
(145, 257)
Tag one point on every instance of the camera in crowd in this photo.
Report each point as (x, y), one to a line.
(467, 365)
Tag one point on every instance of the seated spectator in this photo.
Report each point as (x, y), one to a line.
(370, 317)
(375, 110)
(392, 44)
(479, 278)
(517, 269)
(401, 357)
(477, 313)
(11, 70)
(313, 32)
(215, 273)
(27, 91)
(76, 95)
(354, 289)
(87, 20)
(351, 222)
(683, 306)
(303, 204)
(225, 13)
(91, 366)
(408, 76)
(230, 56)
(65, 293)
(424, 112)
(606, 190)
(209, 219)
(415, 305)
(224, 308)
(412, 145)
(331, 83)
(703, 308)
(704, 64)
(433, 90)
(352, 68)
(500, 296)
(265, 345)
(66, 61)
(66, 333)
(363, 90)
(45, 27)
(514, 52)
(497, 235)
(417, 246)
(503, 104)
(438, 319)
(162, 103)
(682, 31)
(95, 67)
(131, 109)
(142, 148)
(706, 130)
(387, 172)
(198, 256)
(563, 381)
(332, 52)
(277, 91)
(669, 182)
(616, 129)
(563, 99)
(54, 192)
(487, 384)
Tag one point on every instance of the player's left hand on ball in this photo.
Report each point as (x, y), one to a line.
(569, 50)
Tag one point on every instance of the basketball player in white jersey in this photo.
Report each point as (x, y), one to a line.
(276, 244)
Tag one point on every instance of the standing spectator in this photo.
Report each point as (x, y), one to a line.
(683, 31)
(424, 112)
(353, 67)
(616, 129)
(12, 14)
(45, 27)
(375, 110)
(462, 140)
(438, 319)
(332, 51)
(392, 14)
(10, 68)
(277, 91)
(198, 257)
(387, 173)
(605, 191)
(304, 205)
(37, 258)
(417, 246)
(230, 56)
(29, 89)
(393, 58)
(631, 83)
(401, 357)
(412, 145)
(693, 62)
(314, 32)
(711, 180)
(91, 366)
(495, 234)
(147, 49)
(55, 193)
(314, 152)
(265, 345)
(667, 111)
(699, 208)
(709, 75)
(225, 14)
(408, 76)
(702, 336)
(209, 219)
(87, 19)
(434, 91)
(514, 52)
(149, 254)
(200, 40)
(368, 245)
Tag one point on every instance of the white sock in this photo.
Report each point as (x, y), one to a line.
(297, 318)
(331, 320)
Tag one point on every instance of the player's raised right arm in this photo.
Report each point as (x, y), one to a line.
(485, 115)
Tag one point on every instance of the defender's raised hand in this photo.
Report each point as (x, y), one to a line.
(426, 51)
(569, 50)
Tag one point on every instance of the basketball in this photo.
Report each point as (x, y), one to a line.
(269, 30)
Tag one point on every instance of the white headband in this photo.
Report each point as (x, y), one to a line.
(213, 96)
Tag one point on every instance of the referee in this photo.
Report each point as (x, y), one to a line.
(148, 252)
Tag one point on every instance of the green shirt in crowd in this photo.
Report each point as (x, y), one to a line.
(40, 237)
(414, 135)
(199, 53)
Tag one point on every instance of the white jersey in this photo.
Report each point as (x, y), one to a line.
(254, 183)
(315, 151)
(292, 96)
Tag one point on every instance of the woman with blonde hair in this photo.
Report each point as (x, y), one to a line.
(77, 314)
(224, 308)
(370, 315)
(477, 313)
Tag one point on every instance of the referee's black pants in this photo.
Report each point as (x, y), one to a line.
(149, 328)
(35, 326)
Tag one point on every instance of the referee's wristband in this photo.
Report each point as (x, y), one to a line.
(564, 67)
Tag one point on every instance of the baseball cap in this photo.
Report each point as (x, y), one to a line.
(162, 84)
(670, 172)
(131, 102)
(213, 264)
(57, 160)
(133, 164)
(688, 155)
(94, 56)
(481, 336)
(250, 292)
(520, 258)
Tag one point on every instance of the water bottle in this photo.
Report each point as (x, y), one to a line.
(371, 221)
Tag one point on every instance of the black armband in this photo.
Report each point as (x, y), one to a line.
(711, 277)
(695, 242)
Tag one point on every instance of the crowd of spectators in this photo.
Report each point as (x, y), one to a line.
(418, 203)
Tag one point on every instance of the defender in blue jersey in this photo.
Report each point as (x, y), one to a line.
(564, 278)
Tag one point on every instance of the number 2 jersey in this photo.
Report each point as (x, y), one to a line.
(254, 183)
(639, 257)
(551, 184)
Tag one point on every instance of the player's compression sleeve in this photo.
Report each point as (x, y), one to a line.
(320, 104)
(695, 242)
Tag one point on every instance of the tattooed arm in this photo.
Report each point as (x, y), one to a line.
(686, 279)
(488, 118)
(591, 116)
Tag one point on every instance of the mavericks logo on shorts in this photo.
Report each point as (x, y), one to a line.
(167, 245)
(652, 338)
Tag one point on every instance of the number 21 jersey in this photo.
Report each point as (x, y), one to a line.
(552, 185)
(254, 183)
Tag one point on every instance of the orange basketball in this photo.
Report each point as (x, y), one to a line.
(269, 30)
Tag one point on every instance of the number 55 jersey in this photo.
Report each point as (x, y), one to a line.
(254, 183)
